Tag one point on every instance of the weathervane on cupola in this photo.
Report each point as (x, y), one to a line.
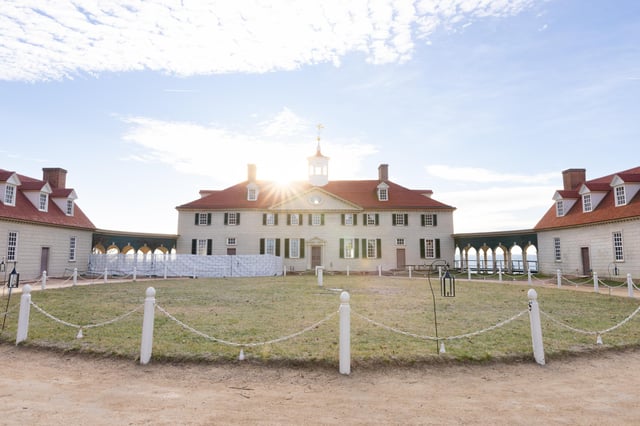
(318, 165)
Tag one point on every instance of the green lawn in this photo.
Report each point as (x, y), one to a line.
(254, 310)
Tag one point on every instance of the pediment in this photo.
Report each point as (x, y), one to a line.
(316, 199)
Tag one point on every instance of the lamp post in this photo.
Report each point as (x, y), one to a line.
(447, 289)
(14, 281)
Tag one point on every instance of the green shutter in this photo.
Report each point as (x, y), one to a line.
(438, 248)
(435, 220)
(406, 219)
(277, 246)
(322, 219)
(394, 221)
(197, 218)
(301, 248)
(237, 218)
(194, 246)
(275, 218)
(341, 248)
(355, 219)
(264, 218)
(364, 248)
(310, 219)
(378, 248)
(377, 219)
(288, 218)
(356, 248)
(261, 245)
(286, 248)
(423, 220)
(342, 218)
(226, 218)
(422, 252)
(209, 247)
(364, 219)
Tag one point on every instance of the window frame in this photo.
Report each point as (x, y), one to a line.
(43, 202)
(10, 194)
(557, 249)
(383, 194)
(560, 208)
(429, 248)
(618, 246)
(12, 246)
(73, 248)
(232, 241)
(620, 195)
(70, 207)
(587, 204)
(294, 248)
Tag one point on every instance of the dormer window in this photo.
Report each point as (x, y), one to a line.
(383, 192)
(70, 205)
(43, 202)
(252, 193)
(586, 203)
(10, 195)
(620, 194)
(559, 208)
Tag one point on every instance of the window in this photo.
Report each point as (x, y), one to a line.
(559, 208)
(373, 248)
(43, 203)
(429, 219)
(70, 207)
(72, 249)
(621, 197)
(252, 194)
(12, 246)
(10, 195)
(203, 219)
(556, 249)
(269, 219)
(400, 242)
(270, 246)
(383, 194)
(371, 219)
(349, 219)
(294, 248)
(231, 241)
(618, 252)
(429, 248)
(232, 219)
(586, 203)
(201, 247)
(348, 248)
(293, 219)
(400, 219)
(316, 219)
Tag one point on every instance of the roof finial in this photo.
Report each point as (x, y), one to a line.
(320, 127)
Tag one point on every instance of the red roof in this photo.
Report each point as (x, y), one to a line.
(362, 193)
(605, 211)
(25, 211)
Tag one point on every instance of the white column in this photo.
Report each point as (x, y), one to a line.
(345, 334)
(147, 326)
(536, 328)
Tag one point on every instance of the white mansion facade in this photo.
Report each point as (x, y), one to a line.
(359, 225)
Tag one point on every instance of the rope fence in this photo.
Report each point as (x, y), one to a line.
(344, 312)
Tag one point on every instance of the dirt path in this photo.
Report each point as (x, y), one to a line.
(39, 388)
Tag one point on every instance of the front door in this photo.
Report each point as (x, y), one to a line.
(401, 260)
(586, 265)
(44, 260)
(316, 256)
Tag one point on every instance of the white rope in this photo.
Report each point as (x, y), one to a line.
(577, 330)
(588, 280)
(461, 336)
(68, 324)
(245, 345)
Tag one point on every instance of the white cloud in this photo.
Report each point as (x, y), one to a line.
(480, 175)
(56, 40)
(279, 147)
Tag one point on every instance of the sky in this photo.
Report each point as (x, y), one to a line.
(484, 102)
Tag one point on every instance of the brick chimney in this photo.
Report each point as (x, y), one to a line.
(383, 172)
(56, 177)
(251, 172)
(573, 178)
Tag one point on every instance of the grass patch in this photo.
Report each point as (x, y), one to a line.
(253, 310)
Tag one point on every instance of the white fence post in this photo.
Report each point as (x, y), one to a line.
(347, 270)
(536, 327)
(379, 270)
(345, 334)
(284, 271)
(559, 277)
(44, 280)
(23, 315)
(629, 285)
(165, 269)
(320, 276)
(596, 287)
(410, 269)
(75, 276)
(500, 273)
(147, 326)
(529, 276)
(469, 273)
(106, 274)
(135, 273)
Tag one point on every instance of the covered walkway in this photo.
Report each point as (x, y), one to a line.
(123, 242)
(485, 243)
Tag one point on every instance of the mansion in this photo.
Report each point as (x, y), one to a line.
(357, 225)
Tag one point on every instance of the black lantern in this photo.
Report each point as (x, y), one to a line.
(2, 266)
(447, 285)
(14, 279)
